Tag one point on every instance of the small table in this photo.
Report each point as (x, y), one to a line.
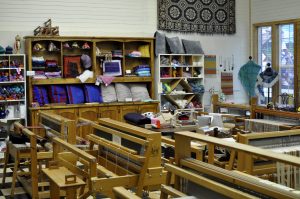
(62, 178)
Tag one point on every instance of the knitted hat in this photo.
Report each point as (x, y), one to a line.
(2, 50)
(86, 61)
(8, 50)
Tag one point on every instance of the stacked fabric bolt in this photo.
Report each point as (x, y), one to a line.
(117, 53)
(39, 75)
(135, 54)
(53, 74)
(51, 63)
(38, 61)
(142, 71)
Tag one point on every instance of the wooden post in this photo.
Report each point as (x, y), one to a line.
(214, 101)
(182, 150)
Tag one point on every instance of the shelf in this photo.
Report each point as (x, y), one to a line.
(20, 100)
(178, 94)
(170, 78)
(5, 120)
(181, 66)
(90, 80)
(10, 68)
(126, 56)
(12, 82)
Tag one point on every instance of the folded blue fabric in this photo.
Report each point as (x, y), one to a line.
(40, 95)
(92, 93)
(75, 94)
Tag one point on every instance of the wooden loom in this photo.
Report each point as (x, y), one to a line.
(259, 111)
(51, 125)
(183, 160)
(216, 104)
(287, 141)
(128, 156)
(35, 154)
(58, 125)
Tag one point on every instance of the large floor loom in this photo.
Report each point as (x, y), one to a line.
(123, 157)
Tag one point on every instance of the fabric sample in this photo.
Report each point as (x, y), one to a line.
(160, 43)
(85, 75)
(57, 94)
(227, 83)
(108, 93)
(92, 93)
(174, 45)
(106, 80)
(139, 92)
(40, 95)
(72, 67)
(210, 65)
(192, 47)
(123, 91)
(202, 16)
(75, 94)
(247, 75)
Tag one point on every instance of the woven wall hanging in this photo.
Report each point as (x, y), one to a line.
(202, 16)
(210, 65)
(227, 83)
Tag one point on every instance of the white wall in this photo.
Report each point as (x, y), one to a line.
(274, 10)
(121, 18)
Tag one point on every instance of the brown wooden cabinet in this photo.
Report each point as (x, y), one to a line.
(38, 46)
(109, 112)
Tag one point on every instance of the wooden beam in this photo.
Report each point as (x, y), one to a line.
(295, 161)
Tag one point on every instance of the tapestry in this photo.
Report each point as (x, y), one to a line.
(227, 83)
(201, 16)
(210, 65)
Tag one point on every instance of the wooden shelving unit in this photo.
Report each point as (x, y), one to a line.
(13, 90)
(103, 44)
(176, 71)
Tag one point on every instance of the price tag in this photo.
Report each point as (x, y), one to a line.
(30, 73)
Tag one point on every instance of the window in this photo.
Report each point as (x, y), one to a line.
(286, 54)
(265, 55)
(275, 43)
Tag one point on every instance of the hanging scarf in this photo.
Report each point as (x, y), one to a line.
(248, 75)
(265, 79)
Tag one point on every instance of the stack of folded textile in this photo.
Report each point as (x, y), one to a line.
(53, 74)
(117, 53)
(135, 54)
(39, 75)
(142, 70)
(38, 61)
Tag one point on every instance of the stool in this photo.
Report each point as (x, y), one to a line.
(63, 179)
(18, 152)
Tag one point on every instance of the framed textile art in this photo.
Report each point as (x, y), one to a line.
(201, 16)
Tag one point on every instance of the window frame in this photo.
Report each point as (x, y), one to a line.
(275, 52)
